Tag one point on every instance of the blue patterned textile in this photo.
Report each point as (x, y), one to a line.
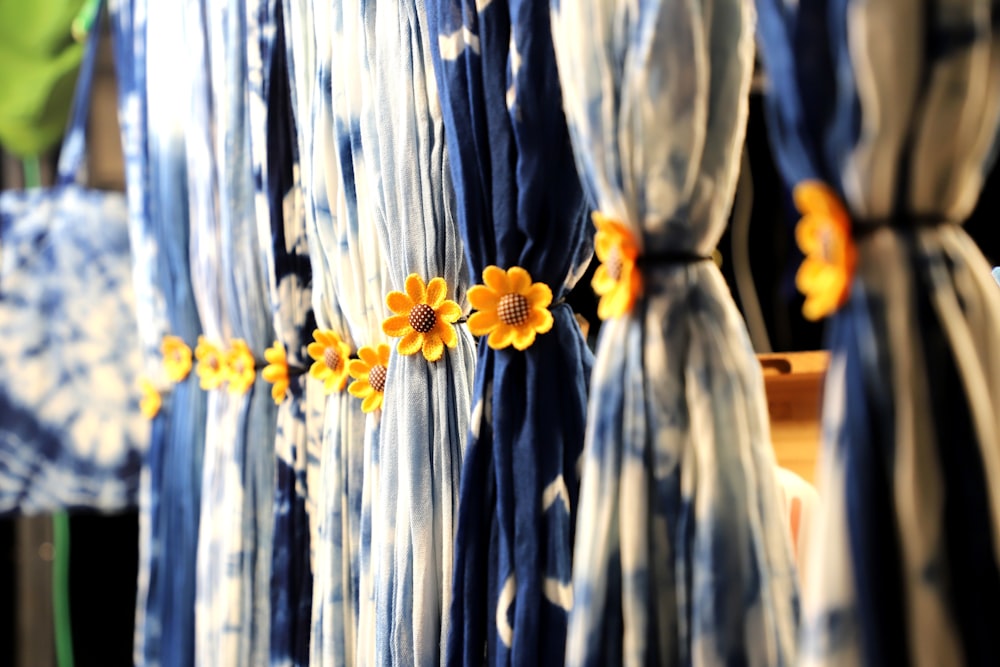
(425, 415)
(71, 434)
(894, 105)
(230, 285)
(281, 228)
(996, 274)
(156, 184)
(682, 554)
(520, 204)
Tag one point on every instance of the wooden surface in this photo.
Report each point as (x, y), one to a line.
(794, 384)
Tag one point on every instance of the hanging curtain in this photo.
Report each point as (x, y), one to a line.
(156, 183)
(281, 230)
(681, 556)
(235, 540)
(427, 390)
(884, 121)
(523, 217)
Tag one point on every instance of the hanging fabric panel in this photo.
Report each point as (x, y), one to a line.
(884, 120)
(682, 555)
(427, 390)
(520, 205)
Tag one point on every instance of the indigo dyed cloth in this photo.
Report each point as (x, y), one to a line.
(894, 106)
(682, 553)
(282, 232)
(520, 203)
(425, 413)
(71, 434)
(235, 539)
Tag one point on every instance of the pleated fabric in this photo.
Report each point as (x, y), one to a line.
(520, 204)
(156, 182)
(282, 232)
(682, 555)
(235, 539)
(416, 465)
(894, 106)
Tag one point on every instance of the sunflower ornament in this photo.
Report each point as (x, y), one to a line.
(150, 400)
(423, 320)
(211, 367)
(176, 358)
(617, 281)
(512, 309)
(330, 355)
(369, 372)
(276, 371)
(240, 367)
(824, 237)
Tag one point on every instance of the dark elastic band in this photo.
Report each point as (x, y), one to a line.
(901, 223)
(668, 258)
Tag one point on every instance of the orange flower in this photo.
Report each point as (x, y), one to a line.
(149, 404)
(369, 376)
(423, 318)
(824, 236)
(512, 309)
(211, 369)
(176, 358)
(330, 354)
(240, 367)
(276, 371)
(617, 280)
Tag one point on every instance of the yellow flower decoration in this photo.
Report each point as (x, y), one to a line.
(240, 367)
(331, 355)
(369, 376)
(512, 309)
(276, 371)
(617, 280)
(176, 358)
(423, 318)
(824, 236)
(149, 404)
(211, 366)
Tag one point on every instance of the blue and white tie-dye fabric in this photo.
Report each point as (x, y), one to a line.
(996, 274)
(71, 434)
(520, 203)
(895, 105)
(282, 231)
(682, 554)
(425, 414)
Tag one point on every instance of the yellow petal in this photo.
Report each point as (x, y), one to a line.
(449, 311)
(433, 346)
(344, 350)
(496, 278)
(481, 323)
(322, 337)
(360, 388)
(501, 337)
(399, 303)
(411, 343)
(278, 393)
(518, 279)
(396, 326)
(483, 298)
(275, 354)
(273, 372)
(447, 334)
(602, 282)
(539, 295)
(437, 290)
(316, 350)
(614, 304)
(540, 320)
(415, 288)
(368, 355)
(816, 197)
(372, 402)
(523, 338)
(319, 370)
(383, 354)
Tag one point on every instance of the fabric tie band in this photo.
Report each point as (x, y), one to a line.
(670, 258)
(901, 223)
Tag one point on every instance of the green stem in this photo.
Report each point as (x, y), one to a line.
(60, 590)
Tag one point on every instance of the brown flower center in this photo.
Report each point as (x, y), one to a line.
(213, 363)
(331, 359)
(513, 309)
(239, 366)
(422, 318)
(613, 265)
(376, 377)
(827, 243)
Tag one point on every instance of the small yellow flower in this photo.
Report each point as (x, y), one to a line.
(151, 401)
(211, 369)
(617, 280)
(369, 376)
(240, 367)
(330, 354)
(176, 358)
(276, 371)
(512, 309)
(423, 318)
(824, 236)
